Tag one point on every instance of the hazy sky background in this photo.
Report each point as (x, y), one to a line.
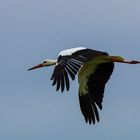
(32, 30)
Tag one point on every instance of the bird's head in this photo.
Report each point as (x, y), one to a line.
(45, 63)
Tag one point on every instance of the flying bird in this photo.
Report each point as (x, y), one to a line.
(93, 68)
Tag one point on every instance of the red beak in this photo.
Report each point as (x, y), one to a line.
(35, 67)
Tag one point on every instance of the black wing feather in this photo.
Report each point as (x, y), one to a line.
(67, 80)
(70, 73)
(62, 81)
(96, 86)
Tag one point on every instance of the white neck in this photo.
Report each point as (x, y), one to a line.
(51, 62)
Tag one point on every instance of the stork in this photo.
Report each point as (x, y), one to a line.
(94, 69)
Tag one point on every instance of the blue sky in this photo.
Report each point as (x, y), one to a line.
(30, 31)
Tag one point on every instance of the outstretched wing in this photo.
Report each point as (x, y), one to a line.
(94, 97)
(68, 64)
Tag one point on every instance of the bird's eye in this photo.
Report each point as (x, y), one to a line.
(44, 62)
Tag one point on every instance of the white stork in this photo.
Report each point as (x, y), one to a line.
(94, 69)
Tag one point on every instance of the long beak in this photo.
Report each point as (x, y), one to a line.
(36, 67)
